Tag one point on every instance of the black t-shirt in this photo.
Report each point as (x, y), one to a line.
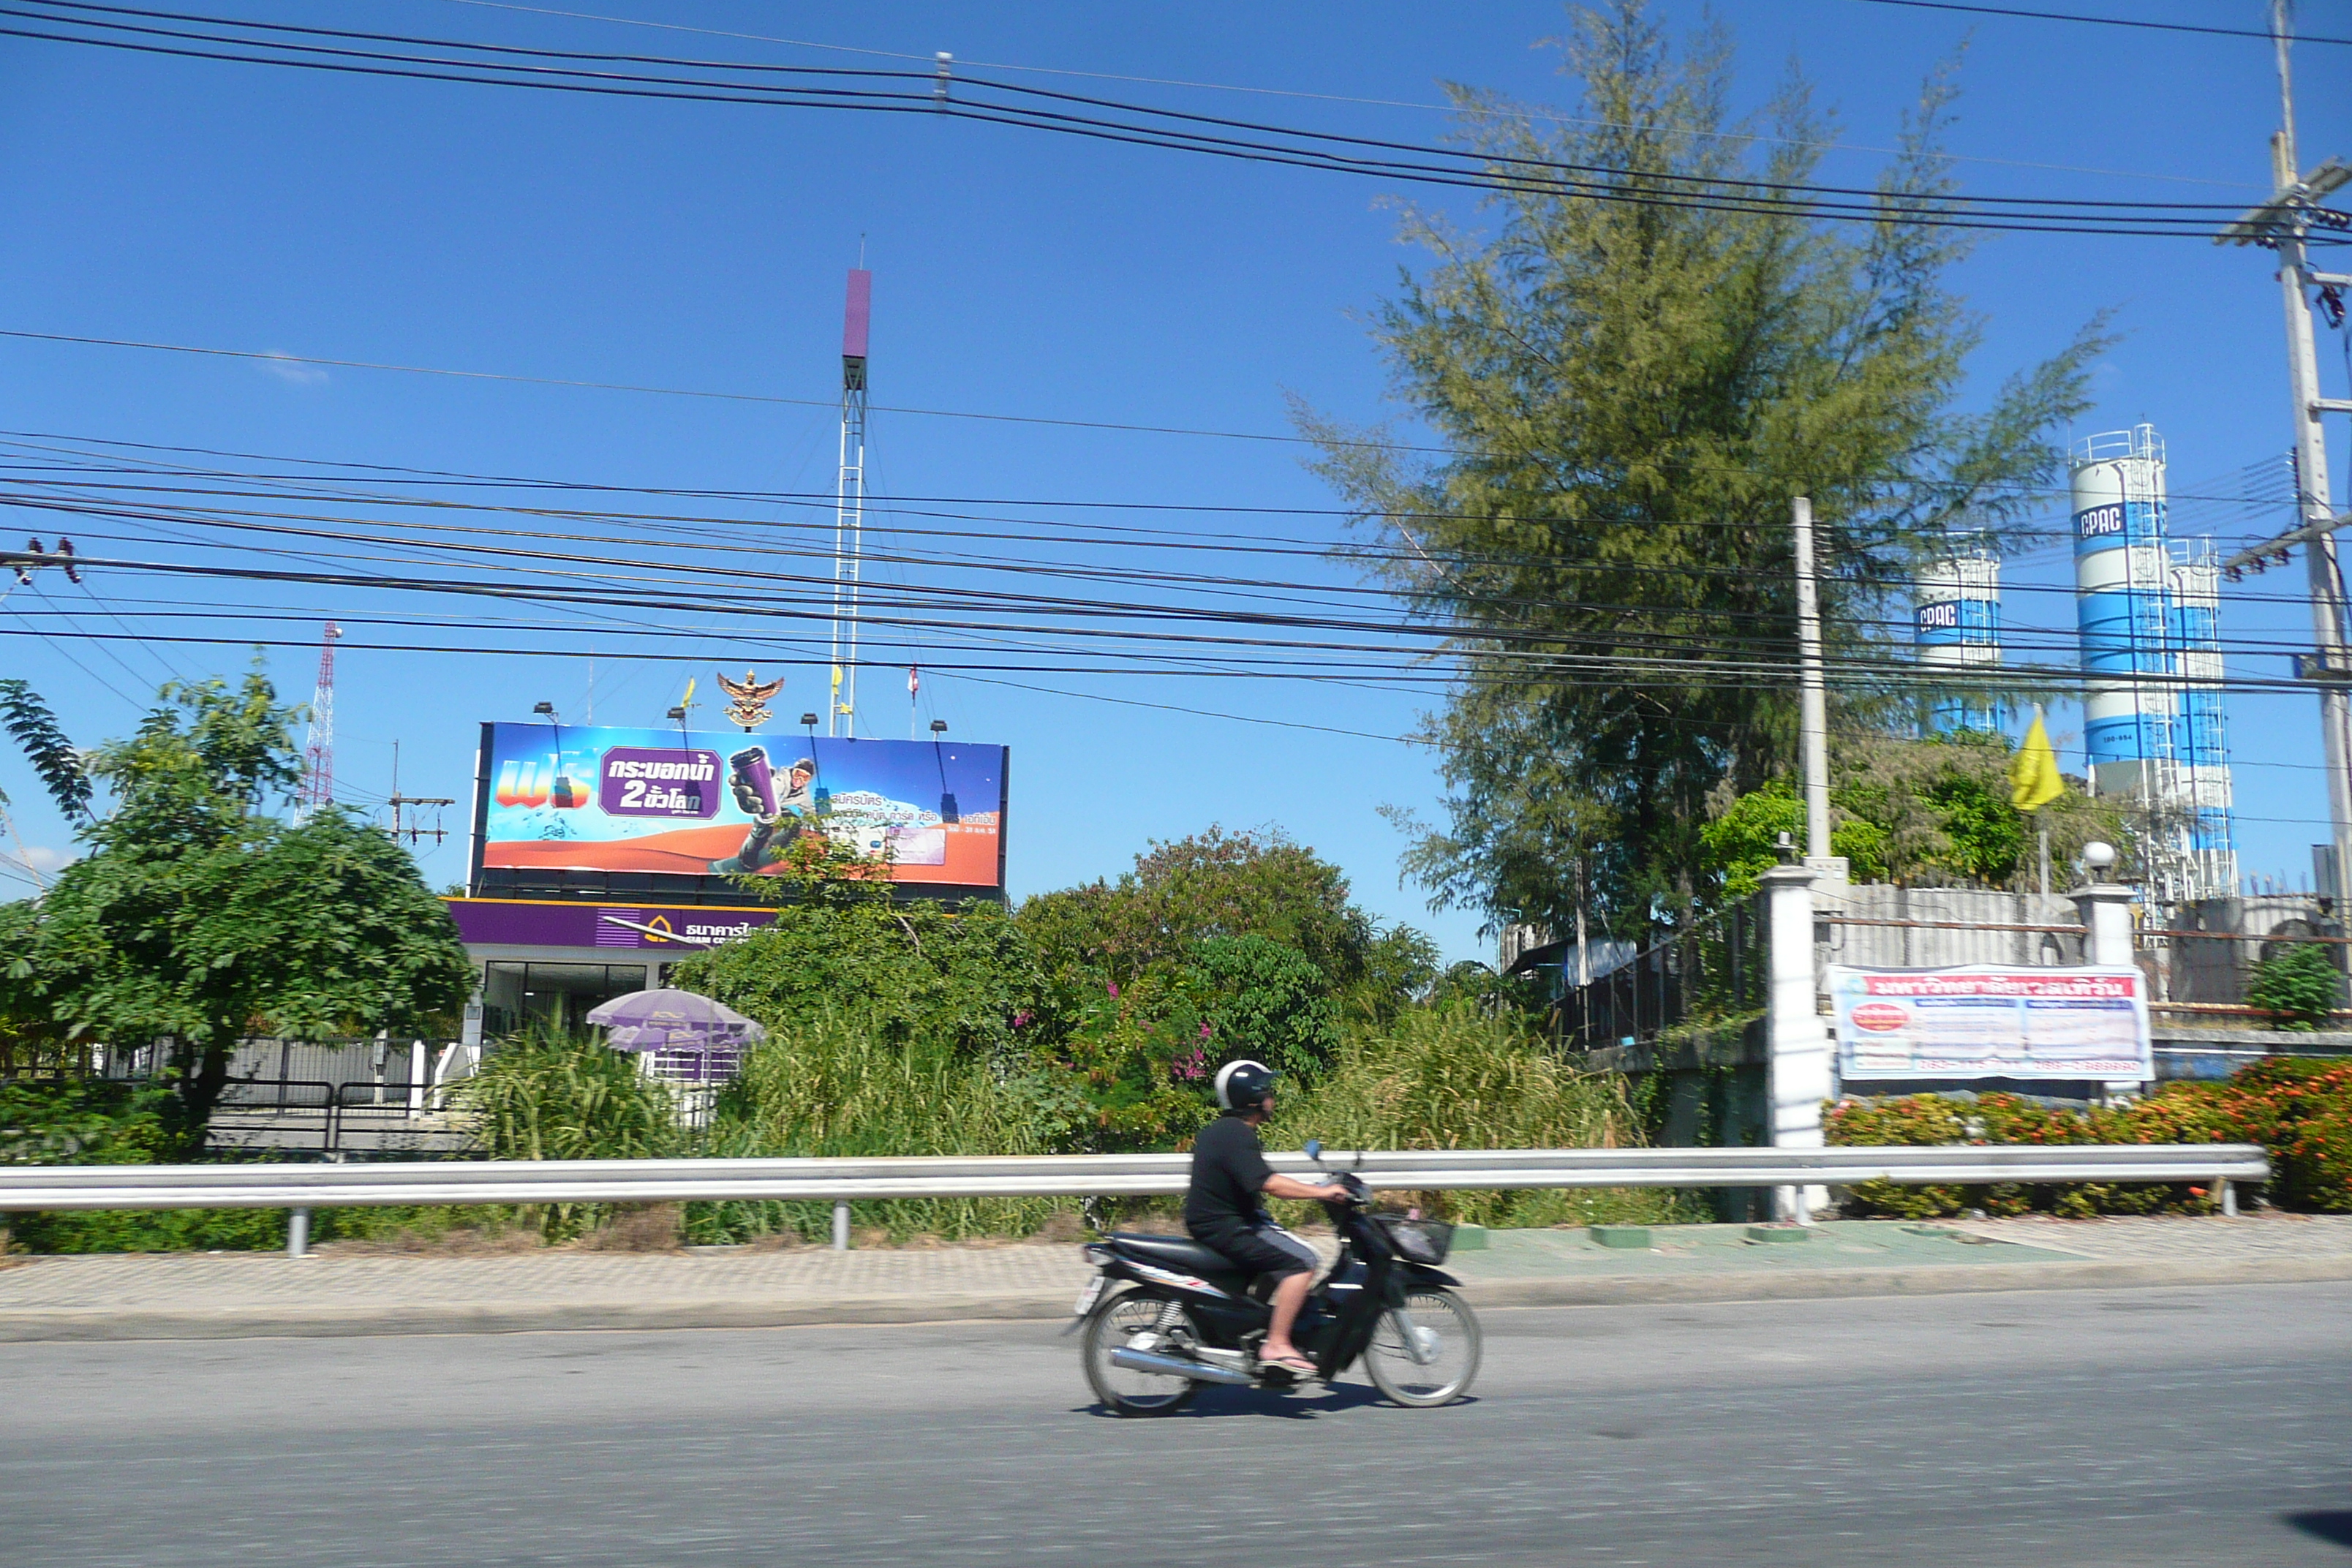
(1229, 1168)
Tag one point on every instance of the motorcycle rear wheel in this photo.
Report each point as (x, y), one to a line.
(1446, 1376)
(1109, 1327)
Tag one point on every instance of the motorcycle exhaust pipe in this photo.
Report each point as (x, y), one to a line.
(1173, 1366)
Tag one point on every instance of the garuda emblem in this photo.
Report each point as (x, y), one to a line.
(751, 695)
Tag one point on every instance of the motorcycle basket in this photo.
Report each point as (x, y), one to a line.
(1417, 1240)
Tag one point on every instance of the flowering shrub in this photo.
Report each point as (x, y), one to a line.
(2299, 1110)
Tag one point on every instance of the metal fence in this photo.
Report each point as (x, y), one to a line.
(1712, 969)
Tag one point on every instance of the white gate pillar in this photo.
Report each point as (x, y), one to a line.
(1798, 1073)
(2106, 910)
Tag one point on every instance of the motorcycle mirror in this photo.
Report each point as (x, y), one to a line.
(1315, 1148)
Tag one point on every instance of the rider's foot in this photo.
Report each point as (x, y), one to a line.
(1290, 1360)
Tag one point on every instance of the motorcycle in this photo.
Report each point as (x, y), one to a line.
(1188, 1316)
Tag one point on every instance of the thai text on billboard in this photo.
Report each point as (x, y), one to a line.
(1992, 1021)
(698, 804)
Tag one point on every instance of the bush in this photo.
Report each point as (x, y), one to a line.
(1456, 1078)
(2298, 986)
(548, 1095)
(2299, 1110)
(838, 1087)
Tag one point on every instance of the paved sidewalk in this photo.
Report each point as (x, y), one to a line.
(233, 1295)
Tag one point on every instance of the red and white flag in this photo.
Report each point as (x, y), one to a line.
(914, 681)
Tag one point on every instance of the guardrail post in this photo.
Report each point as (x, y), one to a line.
(2228, 1194)
(841, 1225)
(297, 1233)
(1798, 1074)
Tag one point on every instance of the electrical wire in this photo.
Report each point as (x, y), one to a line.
(278, 44)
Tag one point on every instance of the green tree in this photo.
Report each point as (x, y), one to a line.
(2299, 987)
(1630, 386)
(842, 946)
(1209, 885)
(196, 916)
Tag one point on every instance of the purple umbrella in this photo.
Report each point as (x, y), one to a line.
(694, 1036)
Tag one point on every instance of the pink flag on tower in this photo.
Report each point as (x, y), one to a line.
(860, 314)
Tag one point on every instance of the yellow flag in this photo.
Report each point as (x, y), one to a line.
(2033, 780)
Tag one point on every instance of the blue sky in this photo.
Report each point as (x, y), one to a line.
(704, 247)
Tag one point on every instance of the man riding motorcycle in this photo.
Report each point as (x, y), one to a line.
(1224, 1211)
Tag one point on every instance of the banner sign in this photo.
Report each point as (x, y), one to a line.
(682, 931)
(1992, 1021)
(696, 804)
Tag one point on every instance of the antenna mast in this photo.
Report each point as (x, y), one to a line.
(318, 739)
(849, 506)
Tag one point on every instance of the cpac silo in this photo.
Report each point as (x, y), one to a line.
(1956, 629)
(2123, 610)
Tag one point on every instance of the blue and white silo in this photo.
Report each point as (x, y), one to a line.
(1956, 631)
(2147, 610)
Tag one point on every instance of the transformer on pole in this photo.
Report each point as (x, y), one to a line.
(318, 739)
(849, 507)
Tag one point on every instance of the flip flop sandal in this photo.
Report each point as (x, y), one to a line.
(1296, 1365)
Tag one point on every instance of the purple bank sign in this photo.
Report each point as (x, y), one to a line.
(513, 922)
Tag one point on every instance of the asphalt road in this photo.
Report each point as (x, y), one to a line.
(2207, 1426)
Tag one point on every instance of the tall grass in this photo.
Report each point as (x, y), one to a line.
(837, 1086)
(548, 1095)
(1454, 1078)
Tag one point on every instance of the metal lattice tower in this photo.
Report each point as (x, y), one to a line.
(849, 507)
(319, 739)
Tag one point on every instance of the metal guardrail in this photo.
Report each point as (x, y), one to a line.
(302, 1187)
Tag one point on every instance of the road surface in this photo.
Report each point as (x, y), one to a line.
(2137, 1427)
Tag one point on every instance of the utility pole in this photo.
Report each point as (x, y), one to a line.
(2282, 223)
(1814, 703)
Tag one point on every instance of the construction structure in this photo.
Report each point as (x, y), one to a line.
(1956, 631)
(318, 789)
(849, 507)
(2148, 611)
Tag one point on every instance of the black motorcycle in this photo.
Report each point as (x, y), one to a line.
(1189, 1316)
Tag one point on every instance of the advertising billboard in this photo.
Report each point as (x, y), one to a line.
(1992, 1021)
(678, 803)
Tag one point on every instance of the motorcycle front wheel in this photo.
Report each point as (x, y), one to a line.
(1426, 1352)
(1109, 1327)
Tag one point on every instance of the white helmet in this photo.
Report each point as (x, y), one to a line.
(1243, 1084)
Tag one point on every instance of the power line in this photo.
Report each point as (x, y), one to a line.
(866, 91)
(2102, 21)
(1516, 111)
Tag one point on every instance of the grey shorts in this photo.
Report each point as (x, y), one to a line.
(1265, 1248)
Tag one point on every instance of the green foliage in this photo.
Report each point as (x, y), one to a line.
(81, 1121)
(1457, 1078)
(548, 1095)
(2299, 1110)
(834, 1085)
(1262, 1000)
(909, 972)
(1629, 391)
(1213, 884)
(2299, 987)
(198, 918)
(1921, 811)
(59, 767)
(1742, 843)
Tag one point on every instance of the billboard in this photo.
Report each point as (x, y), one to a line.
(1992, 1021)
(681, 803)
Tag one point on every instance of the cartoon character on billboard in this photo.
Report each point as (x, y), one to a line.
(779, 807)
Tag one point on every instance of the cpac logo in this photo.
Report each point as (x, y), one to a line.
(2098, 521)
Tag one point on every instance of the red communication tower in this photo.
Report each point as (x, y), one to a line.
(318, 739)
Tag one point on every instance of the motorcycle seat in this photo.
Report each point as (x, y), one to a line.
(1174, 1252)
